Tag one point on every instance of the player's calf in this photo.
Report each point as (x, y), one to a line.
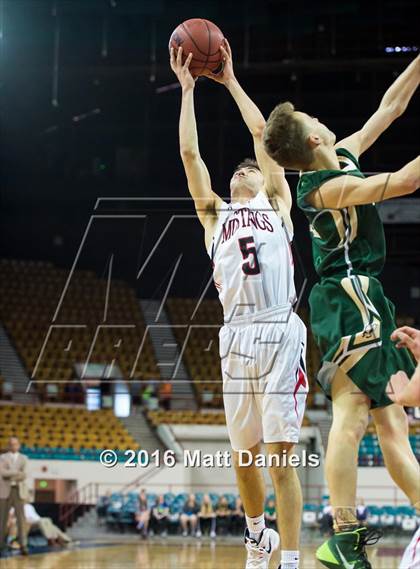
(289, 506)
(392, 430)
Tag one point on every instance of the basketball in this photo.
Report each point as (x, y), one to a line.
(203, 39)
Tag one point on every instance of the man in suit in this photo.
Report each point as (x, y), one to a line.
(13, 492)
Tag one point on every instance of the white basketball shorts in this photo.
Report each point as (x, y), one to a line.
(411, 557)
(264, 377)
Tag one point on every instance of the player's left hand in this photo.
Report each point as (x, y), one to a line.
(396, 385)
(407, 337)
(226, 74)
(182, 70)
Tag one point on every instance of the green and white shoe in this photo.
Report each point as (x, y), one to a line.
(346, 550)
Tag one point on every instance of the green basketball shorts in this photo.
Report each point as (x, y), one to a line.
(352, 321)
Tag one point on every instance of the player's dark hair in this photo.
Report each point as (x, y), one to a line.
(248, 163)
(285, 138)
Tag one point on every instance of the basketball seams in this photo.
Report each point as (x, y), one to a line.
(210, 53)
(204, 61)
(192, 39)
(198, 65)
(200, 69)
(208, 47)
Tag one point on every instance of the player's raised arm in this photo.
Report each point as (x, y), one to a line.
(275, 181)
(392, 105)
(345, 191)
(199, 184)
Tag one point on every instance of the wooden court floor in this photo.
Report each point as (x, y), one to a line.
(171, 555)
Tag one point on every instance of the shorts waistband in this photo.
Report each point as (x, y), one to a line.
(268, 316)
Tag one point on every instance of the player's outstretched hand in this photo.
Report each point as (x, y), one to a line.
(407, 337)
(226, 74)
(397, 385)
(182, 70)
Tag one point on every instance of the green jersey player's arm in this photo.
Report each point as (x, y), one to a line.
(346, 190)
(392, 105)
(275, 183)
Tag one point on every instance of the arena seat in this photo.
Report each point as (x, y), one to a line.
(121, 510)
(310, 515)
(198, 333)
(193, 418)
(63, 432)
(186, 417)
(370, 453)
(30, 292)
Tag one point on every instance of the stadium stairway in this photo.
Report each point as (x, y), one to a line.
(167, 355)
(138, 427)
(86, 527)
(11, 368)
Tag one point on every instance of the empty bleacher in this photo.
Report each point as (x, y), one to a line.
(30, 292)
(63, 432)
(199, 335)
(186, 417)
(193, 418)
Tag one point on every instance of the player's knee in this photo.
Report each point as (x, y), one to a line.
(349, 428)
(245, 473)
(392, 427)
(282, 473)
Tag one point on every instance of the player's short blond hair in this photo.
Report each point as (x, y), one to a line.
(285, 138)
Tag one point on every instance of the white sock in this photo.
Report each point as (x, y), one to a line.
(289, 559)
(255, 525)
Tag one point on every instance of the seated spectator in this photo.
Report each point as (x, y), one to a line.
(223, 516)
(189, 516)
(238, 518)
(270, 514)
(362, 512)
(149, 393)
(207, 518)
(49, 530)
(142, 515)
(326, 520)
(173, 519)
(165, 395)
(102, 505)
(160, 517)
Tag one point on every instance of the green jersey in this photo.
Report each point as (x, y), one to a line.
(351, 318)
(346, 241)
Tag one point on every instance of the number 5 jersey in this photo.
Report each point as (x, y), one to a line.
(252, 259)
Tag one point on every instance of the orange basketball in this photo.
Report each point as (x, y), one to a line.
(203, 39)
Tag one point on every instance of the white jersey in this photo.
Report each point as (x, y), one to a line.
(252, 259)
(411, 558)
